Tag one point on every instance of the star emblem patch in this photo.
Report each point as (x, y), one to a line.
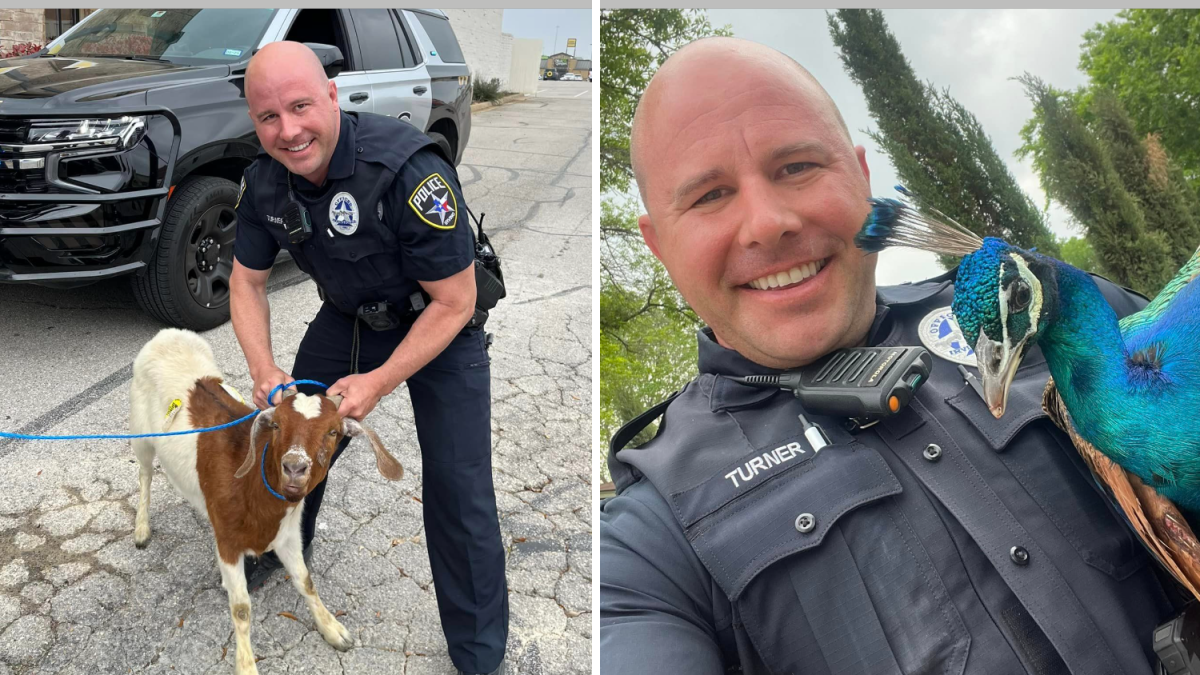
(434, 202)
(343, 213)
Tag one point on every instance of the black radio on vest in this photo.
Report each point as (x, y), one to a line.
(296, 218)
(862, 383)
(489, 279)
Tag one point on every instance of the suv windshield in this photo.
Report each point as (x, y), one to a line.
(185, 36)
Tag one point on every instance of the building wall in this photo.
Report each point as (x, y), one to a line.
(526, 55)
(21, 25)
(487, 49)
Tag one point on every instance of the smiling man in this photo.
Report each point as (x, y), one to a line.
(371, 210)
(937, 540)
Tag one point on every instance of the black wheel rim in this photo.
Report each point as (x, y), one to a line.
(208, 260)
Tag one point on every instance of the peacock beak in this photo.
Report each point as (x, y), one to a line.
(997, 366)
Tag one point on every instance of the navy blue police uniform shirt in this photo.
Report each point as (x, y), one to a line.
(413, 228)
(907, 565)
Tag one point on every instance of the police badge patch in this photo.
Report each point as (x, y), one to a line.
(434, 202)
(939, 333)
(343, 213)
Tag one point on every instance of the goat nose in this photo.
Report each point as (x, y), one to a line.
(295, 467)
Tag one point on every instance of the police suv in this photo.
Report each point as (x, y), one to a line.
(123, 141)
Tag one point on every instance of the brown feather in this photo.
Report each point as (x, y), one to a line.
(1156, 521)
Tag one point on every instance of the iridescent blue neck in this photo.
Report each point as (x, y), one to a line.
(1084, 350)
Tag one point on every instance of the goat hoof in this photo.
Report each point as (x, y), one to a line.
(141, 537)
(337, 636)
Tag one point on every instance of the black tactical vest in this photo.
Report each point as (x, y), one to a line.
(867, 585)
(364, 266)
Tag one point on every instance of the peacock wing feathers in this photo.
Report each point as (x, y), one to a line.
(1135, 323)
(1154, 518)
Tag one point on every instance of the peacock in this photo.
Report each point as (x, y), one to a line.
(1125, 391)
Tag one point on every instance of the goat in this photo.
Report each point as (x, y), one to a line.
(175, 373)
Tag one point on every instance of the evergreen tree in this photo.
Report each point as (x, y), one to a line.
(939, 149)
(1078, 172)
(1145, 171)
(1151, 59)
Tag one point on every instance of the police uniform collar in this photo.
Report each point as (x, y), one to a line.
(725, 394)
(341, 165)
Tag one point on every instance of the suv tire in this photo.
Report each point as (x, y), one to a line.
(186, 283)
(444, 144)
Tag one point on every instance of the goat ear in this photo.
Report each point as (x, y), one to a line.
(260, 422)
(388, 466)
(337, 400)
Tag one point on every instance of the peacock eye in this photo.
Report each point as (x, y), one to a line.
(1018, 299)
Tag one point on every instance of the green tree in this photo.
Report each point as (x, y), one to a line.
(647, 331)
(633, 44)
(939, 149)
(1078, 252)
(1168, 204)
(1077, 171)
(1150, 58)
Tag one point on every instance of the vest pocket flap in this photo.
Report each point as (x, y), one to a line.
(1024, 406)
(788, 513)
(355, 247)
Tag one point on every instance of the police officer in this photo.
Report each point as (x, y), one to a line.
(388, 245)
(940, 540)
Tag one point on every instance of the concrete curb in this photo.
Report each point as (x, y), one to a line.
(484, 105)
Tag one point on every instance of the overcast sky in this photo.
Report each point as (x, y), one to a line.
(972, 52)
(540, 24)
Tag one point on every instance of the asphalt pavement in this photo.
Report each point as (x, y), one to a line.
(76, 597)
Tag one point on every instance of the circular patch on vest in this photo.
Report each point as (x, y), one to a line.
(940, 334)
(343, 213)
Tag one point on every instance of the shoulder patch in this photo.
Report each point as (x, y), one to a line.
(241, 191)
(434, 202)
(940, 334)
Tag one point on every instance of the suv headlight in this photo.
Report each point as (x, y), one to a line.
(125, 132)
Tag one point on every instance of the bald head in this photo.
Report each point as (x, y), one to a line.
(294, 107)
(292, 58)
(753, 193)
(693, 66)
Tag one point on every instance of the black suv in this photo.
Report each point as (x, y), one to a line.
(122, 142)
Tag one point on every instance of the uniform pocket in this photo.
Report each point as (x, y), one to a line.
(467, 351)
(828, 575)
(1046, 464)
(371, 254)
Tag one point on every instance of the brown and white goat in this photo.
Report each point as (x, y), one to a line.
(219, 474)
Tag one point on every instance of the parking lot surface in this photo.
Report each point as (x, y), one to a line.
(76, 597)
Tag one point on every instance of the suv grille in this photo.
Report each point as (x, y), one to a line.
(25, 182)
(13, 130)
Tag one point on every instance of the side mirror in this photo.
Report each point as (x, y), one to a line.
(330, 56)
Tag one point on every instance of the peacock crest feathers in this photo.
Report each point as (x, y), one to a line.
(895, 222)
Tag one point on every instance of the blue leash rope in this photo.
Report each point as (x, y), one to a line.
(277, 389)
(263, 466)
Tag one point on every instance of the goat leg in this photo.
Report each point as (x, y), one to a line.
(233, 578)
(292, 558)
(144, 450)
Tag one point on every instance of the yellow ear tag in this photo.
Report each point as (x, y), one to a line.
(233, 392)
(172, 411)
